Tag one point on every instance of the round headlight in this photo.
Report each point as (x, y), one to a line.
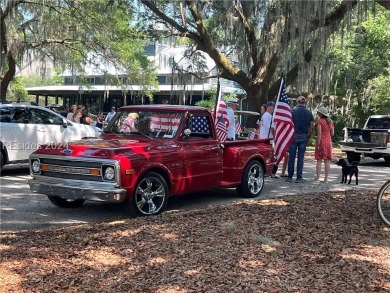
(109, 174)
(36, 167)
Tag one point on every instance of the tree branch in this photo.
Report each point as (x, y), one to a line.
(228, 70)
(249, 31)
(184, 32)
(384, 3)
(331, 25)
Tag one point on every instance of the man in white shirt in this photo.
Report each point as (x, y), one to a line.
(267, 127)
(231, 130)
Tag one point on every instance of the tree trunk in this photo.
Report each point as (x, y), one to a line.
(256, 96)
(7, 77)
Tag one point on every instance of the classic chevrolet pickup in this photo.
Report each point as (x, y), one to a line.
(146, 154)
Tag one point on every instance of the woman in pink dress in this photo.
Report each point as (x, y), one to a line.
(323, 148)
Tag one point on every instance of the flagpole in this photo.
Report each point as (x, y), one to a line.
(217, 99)
(277, 97)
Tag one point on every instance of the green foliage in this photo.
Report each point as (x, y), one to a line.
(37, 80)
(365, 55)
(339, 122)
(78, 34)
(210, 103)
(380, 87)
(362, 72)
(18, 92)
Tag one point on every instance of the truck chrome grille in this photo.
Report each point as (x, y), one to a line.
(75, 168)
(71, 176)
(71, 163)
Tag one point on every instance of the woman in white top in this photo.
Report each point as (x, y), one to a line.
(72, 110)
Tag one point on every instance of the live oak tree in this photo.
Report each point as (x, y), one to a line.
(265, 37)
(73, 34)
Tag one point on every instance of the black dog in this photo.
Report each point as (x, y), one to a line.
(348, 169)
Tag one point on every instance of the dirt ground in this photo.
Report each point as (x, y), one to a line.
(327, 242)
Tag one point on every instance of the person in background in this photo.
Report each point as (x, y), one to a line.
(129, 123)
(165, 101)
(285, 165)
(303, 125)
(72, 110)
(85, 119)
(323, 148)
(263, 109)
(231, 130)
(100, 120)
(110, 115)
(77, 114)
(267, 130)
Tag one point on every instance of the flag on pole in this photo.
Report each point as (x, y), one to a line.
(221, 117)
(238, 128)
(221, 129)
(284, 126)
(252, 135)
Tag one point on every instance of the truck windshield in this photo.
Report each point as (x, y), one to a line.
(156, 124)
(379, 123)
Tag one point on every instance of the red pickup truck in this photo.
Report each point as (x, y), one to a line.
(147, 154)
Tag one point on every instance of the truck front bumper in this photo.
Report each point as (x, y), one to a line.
(77, 189)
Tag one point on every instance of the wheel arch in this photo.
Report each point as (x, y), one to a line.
(3, 151)
(161, 171)
(254, 158)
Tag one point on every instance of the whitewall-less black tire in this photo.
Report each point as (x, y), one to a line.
(150, 196)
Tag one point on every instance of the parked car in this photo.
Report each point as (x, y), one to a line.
(147, 154)
(26, 127)
(62, 110)
(373, 140)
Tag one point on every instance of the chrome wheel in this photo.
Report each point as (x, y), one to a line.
(252, 180)
(151, 194)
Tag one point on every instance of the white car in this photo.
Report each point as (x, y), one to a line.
(24, 127)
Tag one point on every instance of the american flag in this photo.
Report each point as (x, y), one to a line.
(164, 122)
(221, 129)
(251, 135)
(284, 127)
(238, 128)
(200, 124)
(221, 119)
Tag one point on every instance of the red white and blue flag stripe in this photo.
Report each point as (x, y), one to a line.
(221, 119)
(238, 128)
(284, 126)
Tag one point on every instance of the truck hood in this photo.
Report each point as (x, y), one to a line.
(107, 148)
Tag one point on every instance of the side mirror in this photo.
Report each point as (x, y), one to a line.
(186, 134)
(64, 123)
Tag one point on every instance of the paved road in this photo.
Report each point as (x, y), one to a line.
(21, 209)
